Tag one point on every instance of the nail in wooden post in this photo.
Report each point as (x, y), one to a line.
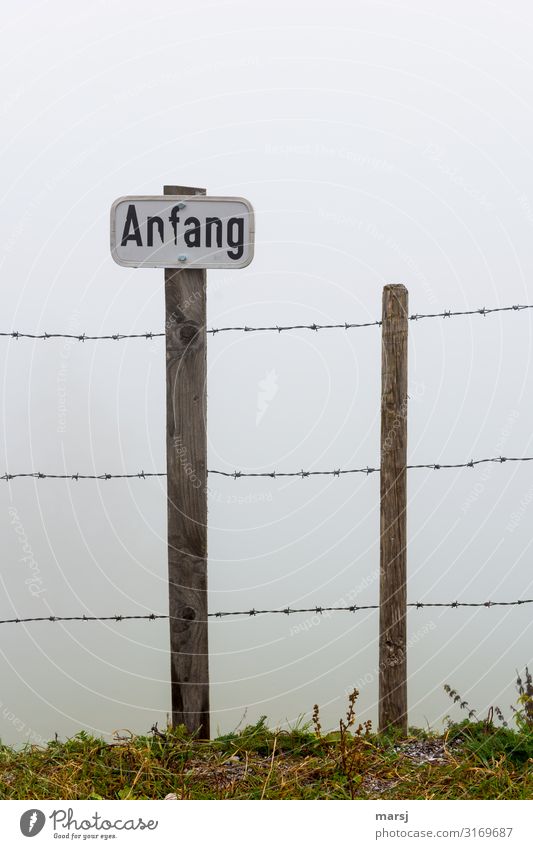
(186, 369)
(393, 518)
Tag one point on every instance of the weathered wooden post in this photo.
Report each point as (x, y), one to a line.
(186, 362)
(185, 234)
(393, 516)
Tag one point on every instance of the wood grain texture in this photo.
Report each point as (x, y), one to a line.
(393, 516)
(186, 373)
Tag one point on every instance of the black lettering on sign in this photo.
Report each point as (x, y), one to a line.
(192, 236)
(236, 242)
(174, 220)
(209, 224)
(152, 222)
(206, 233)
(131, 221)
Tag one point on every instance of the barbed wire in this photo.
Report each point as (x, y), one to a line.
(367, 470)
(286, 611)
(105, 476)
(354, 608)
(79, 337)
(345, 325)
(115, 618)
(484, 311)
(280, 328)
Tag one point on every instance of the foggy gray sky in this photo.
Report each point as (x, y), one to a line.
(379, 142)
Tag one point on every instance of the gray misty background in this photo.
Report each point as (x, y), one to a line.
(379, 142)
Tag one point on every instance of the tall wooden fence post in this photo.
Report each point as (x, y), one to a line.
(393, 518)
(186, 370)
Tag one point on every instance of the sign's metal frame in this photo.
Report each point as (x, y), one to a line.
(186, 199)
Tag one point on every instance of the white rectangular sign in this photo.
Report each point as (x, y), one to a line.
(182, 231)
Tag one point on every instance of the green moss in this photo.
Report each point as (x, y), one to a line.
(483, 762)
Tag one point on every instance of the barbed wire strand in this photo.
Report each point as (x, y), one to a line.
(105, 476)
(280, 328)
(484, 311)
(84, 337)
(287, 611)
(80, 337)
(367, 470)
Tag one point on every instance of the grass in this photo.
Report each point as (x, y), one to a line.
(472, 760)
